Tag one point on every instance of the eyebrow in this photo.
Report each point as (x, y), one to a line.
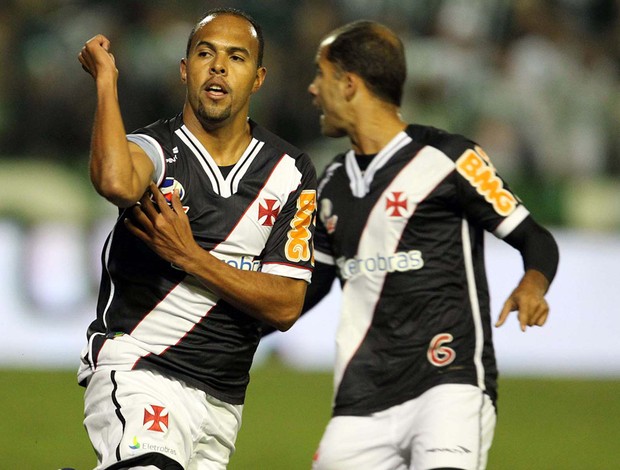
(230, 49)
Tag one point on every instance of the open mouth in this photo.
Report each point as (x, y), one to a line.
(216, 91)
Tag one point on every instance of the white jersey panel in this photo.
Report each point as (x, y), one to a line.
(161, 328)
(283, 181)
(381, 237)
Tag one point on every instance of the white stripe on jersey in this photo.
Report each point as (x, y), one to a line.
(179, 312)
(511, 222)
(329, 172)
(163, 327)
(241, 167)
(106, 257)
(360, 182)
(356, 179)
(287, 270)
(361, 293)
(249, 236)
(473, 299)
(323, 257)
(87, 352)
(228, 186)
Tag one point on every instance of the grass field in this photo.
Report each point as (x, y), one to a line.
(543, 424)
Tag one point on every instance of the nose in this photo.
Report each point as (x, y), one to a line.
(312, 89)
(217, 66)
(218, 70)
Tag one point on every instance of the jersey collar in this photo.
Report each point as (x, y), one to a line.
(360, 181)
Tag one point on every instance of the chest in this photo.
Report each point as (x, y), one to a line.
(231, 212)
(404, 202)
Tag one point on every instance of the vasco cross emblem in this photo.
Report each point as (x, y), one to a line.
(397, 202)
(268, 212)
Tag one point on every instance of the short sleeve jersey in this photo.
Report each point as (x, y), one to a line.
(259, 217)
(406, 236)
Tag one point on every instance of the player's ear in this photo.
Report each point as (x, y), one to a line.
(183, 70)
(261, 72)
(350, 83)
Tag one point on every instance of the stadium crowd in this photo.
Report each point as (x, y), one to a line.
(534, 81)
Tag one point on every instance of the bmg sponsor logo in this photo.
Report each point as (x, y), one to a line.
(398, 262)
(476, 167)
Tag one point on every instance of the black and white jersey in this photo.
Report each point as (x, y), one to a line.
(259, 216)
(406, 236)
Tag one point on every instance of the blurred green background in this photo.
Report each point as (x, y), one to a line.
(536, 83)
(543, 424)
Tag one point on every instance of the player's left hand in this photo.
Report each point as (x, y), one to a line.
(166, 230)
(529, 299)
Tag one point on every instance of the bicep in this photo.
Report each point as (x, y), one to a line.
(143, 166)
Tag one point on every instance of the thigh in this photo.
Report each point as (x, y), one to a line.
(218, 433)
(358, 443)
(140, 418)
(454, 428)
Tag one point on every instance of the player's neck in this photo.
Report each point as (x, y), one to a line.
(374, 131)
(225, 143)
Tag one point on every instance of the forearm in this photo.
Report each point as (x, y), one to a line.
(537, 246)
(322, 280)
(275, 300)
(535, 282)
(540, 260)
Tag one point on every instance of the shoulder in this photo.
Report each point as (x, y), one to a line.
(336, 163)
(333, 167)
(162, 129)
(451, 145)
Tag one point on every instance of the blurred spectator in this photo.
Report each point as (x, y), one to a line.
(536, 81)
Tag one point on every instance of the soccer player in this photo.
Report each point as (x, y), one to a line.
(219, 244)
(401, 220)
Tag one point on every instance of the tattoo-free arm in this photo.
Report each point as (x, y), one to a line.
(539, 251)
(119, 171)
(275, 300)
(323, 277)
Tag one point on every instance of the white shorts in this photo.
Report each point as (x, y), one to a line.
(450, 425)
(147, 420)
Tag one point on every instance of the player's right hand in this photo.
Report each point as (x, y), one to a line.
(96, 58)
(529, 300)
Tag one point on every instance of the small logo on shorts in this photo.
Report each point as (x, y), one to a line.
(156, 417)
(135, 445)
